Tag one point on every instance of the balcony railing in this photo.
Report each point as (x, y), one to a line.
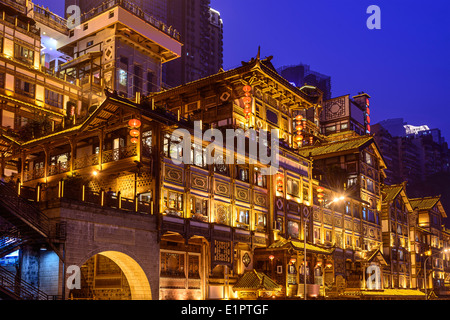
(134, 9)
(119, 153)
(58, 168)
(35, 173)
(86, 161)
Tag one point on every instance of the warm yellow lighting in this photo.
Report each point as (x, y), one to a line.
(95, 172)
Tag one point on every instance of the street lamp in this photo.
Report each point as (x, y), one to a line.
(425, 269)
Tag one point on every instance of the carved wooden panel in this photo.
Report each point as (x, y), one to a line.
(199, 182)
(242, 194)
(173, 174)
(260, 199)
(222, 188)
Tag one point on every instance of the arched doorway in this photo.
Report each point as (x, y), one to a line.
(112, 275)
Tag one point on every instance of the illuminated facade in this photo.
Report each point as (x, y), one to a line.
(139, 209)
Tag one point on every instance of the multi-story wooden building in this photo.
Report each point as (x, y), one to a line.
(301, 209)
(396, 211)
(427, 235)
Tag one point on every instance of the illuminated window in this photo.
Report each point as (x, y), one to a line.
(199, 208)
(328, 235)
(123, 77)
(293, 229)
(173, 202)
(305, 192)
(23, 54)
(242, 173)
(172, 264)
(292, 187)
(172, 147)
(242, 218)
(259, 179)
(261, 221)
(194, 267)
(53, 98)
(198, 155)
(25, 88)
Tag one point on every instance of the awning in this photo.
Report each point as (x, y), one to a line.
(255, 281)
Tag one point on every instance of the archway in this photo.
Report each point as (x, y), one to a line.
(112, 275)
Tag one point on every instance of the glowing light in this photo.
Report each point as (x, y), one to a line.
(95, 172)
(134, 123)
(134, 133)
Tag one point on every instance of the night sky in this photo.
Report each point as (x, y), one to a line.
(404, 66)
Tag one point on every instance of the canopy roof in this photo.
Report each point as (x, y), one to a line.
(255, 281)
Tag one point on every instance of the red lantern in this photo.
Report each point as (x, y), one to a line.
(299, 117)
(134, 140)
(319, 189)
(134, 133)
(134, 123)
(299, 127)
(247, 100)
(247, 88)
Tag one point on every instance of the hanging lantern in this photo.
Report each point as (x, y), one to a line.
(247, 99)
(271, 257)
(279, 182)
(320, 189)
(247, 88)
(134, 123)
(299, 127)
(299, 117)
(134, 140)
(134, 133)
(311, 140)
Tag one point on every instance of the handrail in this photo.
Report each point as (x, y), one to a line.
(20, 288)
(24, 209)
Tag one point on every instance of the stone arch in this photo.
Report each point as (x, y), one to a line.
(137, 279)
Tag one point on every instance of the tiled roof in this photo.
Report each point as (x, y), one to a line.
(336, 146)
(253, 280)
(424, 203)
(299, 245)
(387, 292)
(428, 203)
(389, 193)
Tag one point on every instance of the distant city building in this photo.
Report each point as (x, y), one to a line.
(413, 153)
(201, 33)
(301, 74)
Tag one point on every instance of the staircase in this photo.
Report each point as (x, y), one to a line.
(13, 288)
(23, 222)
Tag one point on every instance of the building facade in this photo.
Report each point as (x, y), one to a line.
(121, 184)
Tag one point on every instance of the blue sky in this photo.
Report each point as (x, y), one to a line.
(404, 66)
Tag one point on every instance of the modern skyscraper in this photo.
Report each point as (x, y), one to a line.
(200, 28)
(301, 74)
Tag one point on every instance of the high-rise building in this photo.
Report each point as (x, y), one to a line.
(200, 28)
(417, 152)
(301, 74)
